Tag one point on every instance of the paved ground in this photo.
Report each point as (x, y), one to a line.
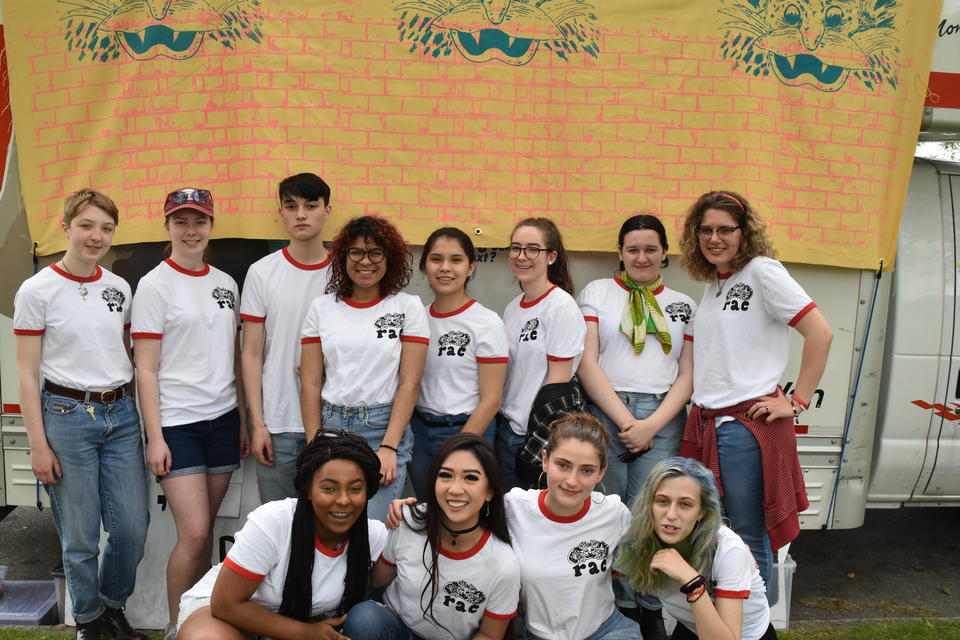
(901, 563)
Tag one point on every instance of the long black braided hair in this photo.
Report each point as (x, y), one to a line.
(298, 585)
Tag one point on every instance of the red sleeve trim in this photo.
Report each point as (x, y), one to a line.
(500, 616)
(591, 318)
(28, 332)
(387, 562)
(491, 360)
(249, 318)
(797, 318)
(688, 337)
(309, 340)
(415, 339)
(142, 334)
(240, 571)
(739, 595)
(558, 358)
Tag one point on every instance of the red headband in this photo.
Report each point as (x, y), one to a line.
(727, 195)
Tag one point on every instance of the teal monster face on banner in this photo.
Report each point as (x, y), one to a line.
(144, 29)
(509, 31)
(819, 43)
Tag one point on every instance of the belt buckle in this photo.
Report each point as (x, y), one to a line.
(109, 397)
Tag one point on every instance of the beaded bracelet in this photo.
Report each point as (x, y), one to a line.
(693, 585)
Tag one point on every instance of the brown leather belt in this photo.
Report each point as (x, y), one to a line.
(106, 397)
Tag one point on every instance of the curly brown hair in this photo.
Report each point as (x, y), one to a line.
(383, 233)
(753, 241)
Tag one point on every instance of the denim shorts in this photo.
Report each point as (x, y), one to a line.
(208, 446)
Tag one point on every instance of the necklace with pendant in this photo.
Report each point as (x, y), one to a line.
(82, 290)
(454, 533)
(721, 283)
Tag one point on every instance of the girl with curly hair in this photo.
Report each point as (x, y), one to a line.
(299, 564)
(741, 423)
(449, 569)
(364, 344)
(678, 549)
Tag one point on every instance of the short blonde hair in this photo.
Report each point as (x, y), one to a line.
(753, 241)
(79, 200)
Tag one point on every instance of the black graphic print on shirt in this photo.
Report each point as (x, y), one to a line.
(589, 557)
(462, 596)
(738, 298)
(389, 325)
(224, 297)
(453, 343)
(678, 312)
(114, 299)
(529, 331)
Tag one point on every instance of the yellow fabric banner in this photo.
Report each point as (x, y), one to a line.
(478, 113)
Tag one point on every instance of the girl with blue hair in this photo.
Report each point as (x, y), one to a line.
(678, 549)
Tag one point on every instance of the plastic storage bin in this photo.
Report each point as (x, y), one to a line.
(28, 602)
(782, 591)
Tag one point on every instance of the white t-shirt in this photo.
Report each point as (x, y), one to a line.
(361, 345)
(462, 340)
(602, 301)
(477, 582)
(277, 292)
(82, 345)
(548, 328)
(734, 574)
(194, 315)
(261, 553)
(565, 562)
(742, 335)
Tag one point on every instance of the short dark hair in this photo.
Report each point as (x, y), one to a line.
(308, 186)
(382, 232)
(641, 222)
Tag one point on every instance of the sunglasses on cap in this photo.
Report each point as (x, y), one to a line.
(183, 196)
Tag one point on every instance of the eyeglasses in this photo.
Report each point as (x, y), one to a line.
(724, 232)
(531, 253)
(181, 196)
(375, 256)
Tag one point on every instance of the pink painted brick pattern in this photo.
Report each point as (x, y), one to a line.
(653, 123)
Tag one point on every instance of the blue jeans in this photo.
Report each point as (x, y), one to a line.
(616, 627)
(741, 473)
(371, 620)
(276, 482)
(508, 443)
(371, 423)
(627, 479)
(101, 456)
(427, 438)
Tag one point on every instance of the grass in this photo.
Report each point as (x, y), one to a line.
(900, 630)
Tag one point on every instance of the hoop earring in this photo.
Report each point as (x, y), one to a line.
(540, 480)
(604, 489)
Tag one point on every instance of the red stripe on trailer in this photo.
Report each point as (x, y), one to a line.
(943, 90)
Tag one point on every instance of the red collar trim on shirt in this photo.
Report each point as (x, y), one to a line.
(436, 314)
(327, 551)
(97, 272)
(526, 305)
(724, 276)
(656, 291)
(196, 274)
(550, 515)
(306, 267)
(363, 305)
(472, 551)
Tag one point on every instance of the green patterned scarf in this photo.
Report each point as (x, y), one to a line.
(642, 315)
